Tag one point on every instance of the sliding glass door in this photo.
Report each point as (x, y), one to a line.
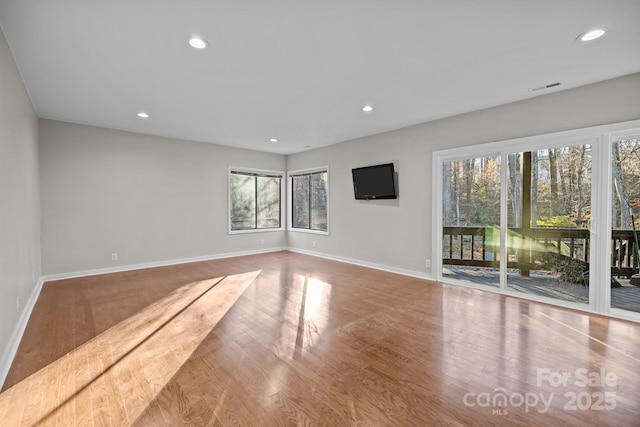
(471, 220)
(625, 223)
(552, 217)
(548, 212)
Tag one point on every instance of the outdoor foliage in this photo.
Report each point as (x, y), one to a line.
(471, 195)
(560, 189)
(626, 183)
(546, 189)
(255, 201)
(309, 193)
(556, 221)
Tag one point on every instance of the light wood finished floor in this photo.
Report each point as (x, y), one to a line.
(284, 339)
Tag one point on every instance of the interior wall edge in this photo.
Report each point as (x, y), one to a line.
(12, 347)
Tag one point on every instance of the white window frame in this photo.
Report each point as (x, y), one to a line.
(300, 172)
(257, 172)
(601, 138)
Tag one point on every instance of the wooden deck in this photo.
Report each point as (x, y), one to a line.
(477, 246)
(626, 297)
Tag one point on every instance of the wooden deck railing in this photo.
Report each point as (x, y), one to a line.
(528, 249)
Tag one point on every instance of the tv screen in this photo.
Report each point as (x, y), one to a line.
(374, 182)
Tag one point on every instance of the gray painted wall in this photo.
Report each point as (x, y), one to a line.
(146, 198)
(19, 201)
(153, 199)
(398, 233)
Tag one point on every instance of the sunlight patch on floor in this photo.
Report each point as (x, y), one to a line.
(306, 315)
(115, 375)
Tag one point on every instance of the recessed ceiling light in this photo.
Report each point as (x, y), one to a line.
(273, 140)
(143, 115)
(592, 35)
(367, 108)
(197, 42)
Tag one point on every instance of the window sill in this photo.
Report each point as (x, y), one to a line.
(304, 230)
(255, 230)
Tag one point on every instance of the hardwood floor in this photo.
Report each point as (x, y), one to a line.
(289, 339)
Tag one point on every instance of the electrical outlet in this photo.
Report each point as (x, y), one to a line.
(114, 256)
(427, 263)
(262, 241)
(314, 243)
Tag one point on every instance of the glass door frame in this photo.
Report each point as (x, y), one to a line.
(607, 185)
(601, 139)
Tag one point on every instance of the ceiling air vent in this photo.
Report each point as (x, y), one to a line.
(549, 86)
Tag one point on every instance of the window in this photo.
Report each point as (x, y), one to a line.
(549, 217)
(254, 200)
(309, 196)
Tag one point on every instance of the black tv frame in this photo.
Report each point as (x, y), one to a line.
(392, 176)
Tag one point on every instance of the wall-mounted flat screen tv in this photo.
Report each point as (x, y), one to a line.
(374, 182)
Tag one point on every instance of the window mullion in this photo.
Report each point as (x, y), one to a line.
(294, 221)
(309, 193)
(255, 195)
(280, 202)
(504, 226)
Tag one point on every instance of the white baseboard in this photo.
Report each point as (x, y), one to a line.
(14, 342)
(402, 271)
(165, 263)
(16, 337)
(107, 270)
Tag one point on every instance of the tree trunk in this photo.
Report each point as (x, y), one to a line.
(565, 174)
(456, 190)
(553, 179)
(446, 193)
(514, 189)
(580, 171)
(618, 184)
(534, 188)
(468, 176)
(614, 210)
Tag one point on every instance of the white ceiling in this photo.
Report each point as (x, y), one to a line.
(300, 70)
